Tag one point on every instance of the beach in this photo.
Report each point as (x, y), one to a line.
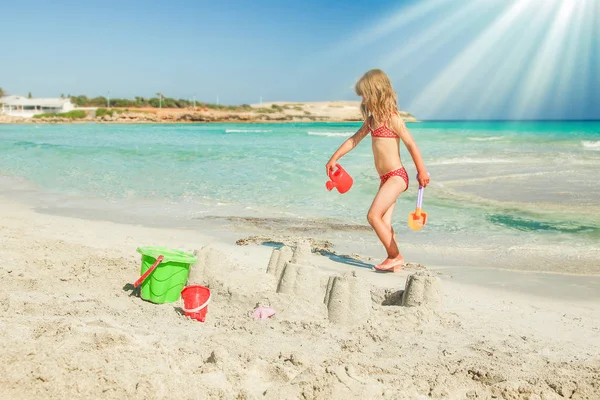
(71, 329)
(171, 226)
(499, 299)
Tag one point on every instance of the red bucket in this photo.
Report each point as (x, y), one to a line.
(195, 302)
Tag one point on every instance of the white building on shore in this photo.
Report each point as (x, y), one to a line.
(18, 106)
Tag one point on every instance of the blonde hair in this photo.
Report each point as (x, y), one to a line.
(380, 97)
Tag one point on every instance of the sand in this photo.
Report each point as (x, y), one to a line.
(70, 328)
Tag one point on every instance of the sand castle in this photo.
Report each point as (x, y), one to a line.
(347, 297)
(344, 299)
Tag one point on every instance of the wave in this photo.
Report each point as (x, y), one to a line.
(331, 134)
(486, 139)
(246, 130)
(467, 160)
(590, 144)
(30, 145)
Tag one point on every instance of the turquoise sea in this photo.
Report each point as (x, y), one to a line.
(517, 195)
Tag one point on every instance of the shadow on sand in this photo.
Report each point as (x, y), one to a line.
(340, 258)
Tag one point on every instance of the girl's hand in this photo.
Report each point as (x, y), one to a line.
(423, 179)
(330, 166)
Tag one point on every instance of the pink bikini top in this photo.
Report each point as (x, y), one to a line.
(383, 132)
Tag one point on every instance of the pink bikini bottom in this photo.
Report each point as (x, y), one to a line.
(401, 172)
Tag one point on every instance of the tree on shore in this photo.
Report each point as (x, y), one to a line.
(2, 93)
(153, 102)
(29, 96)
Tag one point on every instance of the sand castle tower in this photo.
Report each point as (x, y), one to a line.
(209, 260)
(302, 253)
(295, 273)
(422, 289)
(348, 299)
(302, 281)
(278, 259)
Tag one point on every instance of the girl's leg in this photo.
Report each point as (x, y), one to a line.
(387, 218)
(388, 263)
(382, 204)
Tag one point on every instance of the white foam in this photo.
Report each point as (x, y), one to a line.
(486, 139)
(591, 145)
(332, 134)
(246, 130)
(467, 160)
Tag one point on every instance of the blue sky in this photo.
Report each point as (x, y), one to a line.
(448, 59)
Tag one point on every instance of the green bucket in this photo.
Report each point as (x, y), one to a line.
(165, 284)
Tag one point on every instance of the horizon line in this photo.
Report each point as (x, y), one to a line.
(509, 120)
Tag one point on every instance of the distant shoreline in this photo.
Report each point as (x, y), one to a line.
(274, 112)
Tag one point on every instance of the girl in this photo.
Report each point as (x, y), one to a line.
(383, 121)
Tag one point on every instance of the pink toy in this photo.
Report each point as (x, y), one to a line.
(263, 313)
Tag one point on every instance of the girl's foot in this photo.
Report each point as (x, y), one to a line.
(390, 265)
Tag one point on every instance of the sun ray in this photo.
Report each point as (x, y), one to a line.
(575, 45)
(395, 21)
(534, 58)
(428, 43)
(537, 81)
(497, 89)
(439, 90)
(591, 40)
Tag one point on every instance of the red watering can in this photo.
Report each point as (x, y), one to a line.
(339, 179)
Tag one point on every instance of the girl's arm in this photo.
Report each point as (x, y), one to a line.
(397, 124)
(348, 145)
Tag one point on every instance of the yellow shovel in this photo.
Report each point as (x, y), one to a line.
(417, 218)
